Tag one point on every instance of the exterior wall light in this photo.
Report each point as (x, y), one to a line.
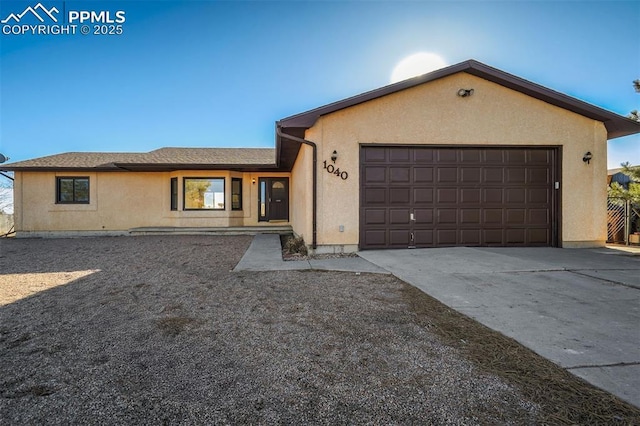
(334, 156)
(463, 93)
(587, 157)
(253, 181)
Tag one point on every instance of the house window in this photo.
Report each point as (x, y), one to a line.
(72, 190)
(203, 194)
(174, 193)
(236, 194)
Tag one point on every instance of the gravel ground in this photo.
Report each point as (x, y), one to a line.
(157, 330)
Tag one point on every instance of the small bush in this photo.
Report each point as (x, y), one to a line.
(296, 245)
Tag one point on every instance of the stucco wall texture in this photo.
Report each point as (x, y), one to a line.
(123, 200)
(433, 114)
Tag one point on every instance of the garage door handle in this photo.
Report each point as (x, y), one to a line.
(412, 217)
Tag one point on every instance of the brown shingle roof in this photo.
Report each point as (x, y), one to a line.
(159, 159)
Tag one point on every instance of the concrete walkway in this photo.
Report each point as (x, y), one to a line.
(265, 254)
(579, 308)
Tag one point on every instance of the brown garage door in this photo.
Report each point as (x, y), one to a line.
(436, 197)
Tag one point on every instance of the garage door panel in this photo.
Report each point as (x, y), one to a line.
(375, 175)
(446, 237)
(399, 237)
(470, 175)
(423, 216)
(493, 156)
(375, 196)
(515, 195)
(447, 195)
(539, 176)
(373, 155)
(538, 236)
(539, 195)
(516, 216)
(423, 155)
(375, 238)
(493, 175)
(470, 237)
(446, 156)
(493, 236)
(516, 175)
(375, 217)
(493, 216)
(423, 237)
(470, 196)
(399, 216)
(399, 174)
(493, 195)
(423, 174)
(399, 155)
(515, 156)
(469, 216)
(470, 155)
(538, 217)
(516, 236)
(400, 196)
(447, 175)
(422, 196)
(447, 216)
(538, 156)
(458, 196)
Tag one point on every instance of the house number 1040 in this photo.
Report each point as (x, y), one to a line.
(331, 169)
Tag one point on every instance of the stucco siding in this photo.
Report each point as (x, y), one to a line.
(119, 201)
(433, 114)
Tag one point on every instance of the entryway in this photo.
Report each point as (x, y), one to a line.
(273, 199)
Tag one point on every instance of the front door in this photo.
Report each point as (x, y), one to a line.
(273, 199)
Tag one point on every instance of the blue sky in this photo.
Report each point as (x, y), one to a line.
(205, 73)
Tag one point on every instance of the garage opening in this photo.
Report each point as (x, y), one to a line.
(445, 196)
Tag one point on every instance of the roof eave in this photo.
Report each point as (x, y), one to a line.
(170, 167)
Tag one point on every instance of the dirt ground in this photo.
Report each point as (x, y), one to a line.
(158, 330)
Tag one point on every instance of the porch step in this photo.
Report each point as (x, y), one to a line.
(232, 230)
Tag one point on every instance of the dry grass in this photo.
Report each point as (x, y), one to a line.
(163, 333)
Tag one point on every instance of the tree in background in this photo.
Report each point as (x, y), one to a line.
(634, 114)
(633, 192)
(6, 195)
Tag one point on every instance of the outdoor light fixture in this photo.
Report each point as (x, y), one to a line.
(253, 181)
(334, 156)
(463, 93)
(587, 157)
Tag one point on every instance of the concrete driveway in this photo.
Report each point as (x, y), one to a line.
(578, 308)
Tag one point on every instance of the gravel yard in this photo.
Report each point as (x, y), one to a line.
(157, 330)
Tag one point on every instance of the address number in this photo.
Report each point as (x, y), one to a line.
(332, 170)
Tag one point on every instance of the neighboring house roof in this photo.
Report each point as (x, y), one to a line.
(617, 175)
(160, 159)
(617, 125)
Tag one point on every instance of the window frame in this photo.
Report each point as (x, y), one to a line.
(74, 200)
(239, 206)
(174, 193)
(184, 193)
